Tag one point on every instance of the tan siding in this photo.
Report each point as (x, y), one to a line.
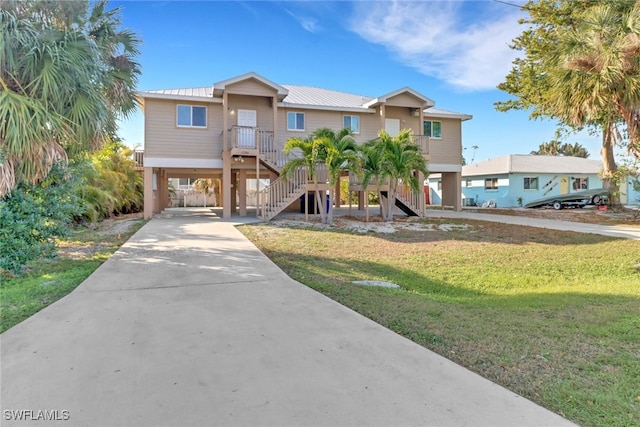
(261, 104)
(407, 120)
(315, 119)
(447, 150)
(369, 127)
(164, 139)
(250, 87)
(404, 100)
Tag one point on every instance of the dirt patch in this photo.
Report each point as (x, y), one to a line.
(589, 215)
(92, 238)
(374, 225)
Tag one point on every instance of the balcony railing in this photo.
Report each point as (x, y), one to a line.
(138, 158)
(250, 138)
(423, 142)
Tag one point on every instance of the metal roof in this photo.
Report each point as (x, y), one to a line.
(204, 92)
(307, 95)
(299, 96)
(529, 163)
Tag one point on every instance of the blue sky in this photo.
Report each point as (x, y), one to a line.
(453, 52)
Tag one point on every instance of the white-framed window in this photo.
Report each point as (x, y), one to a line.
(530, 183)
(351, 122)
(295, 121)
(192, 116)
(469, 183)
(439, 186)
(432, 129)
(491, 184)
(580, 184)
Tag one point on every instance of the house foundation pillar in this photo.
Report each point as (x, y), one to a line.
(242, 191)
(148, 193)
(226, 189)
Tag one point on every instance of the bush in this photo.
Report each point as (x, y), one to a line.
(108, 182)
(32, 217)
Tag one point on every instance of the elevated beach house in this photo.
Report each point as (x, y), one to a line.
(235, 131)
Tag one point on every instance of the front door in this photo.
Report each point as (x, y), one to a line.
(247, 121)
(564, 185)
(392, 126)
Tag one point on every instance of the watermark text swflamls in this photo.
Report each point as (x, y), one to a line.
(36, 415)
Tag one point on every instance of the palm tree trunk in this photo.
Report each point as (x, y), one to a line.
(609, 162)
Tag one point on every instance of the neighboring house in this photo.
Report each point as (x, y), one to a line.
(235, 130)
(515, 180)
(630, 191)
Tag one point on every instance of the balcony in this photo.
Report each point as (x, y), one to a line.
(248, 141)
(422, 141)
(138, 159)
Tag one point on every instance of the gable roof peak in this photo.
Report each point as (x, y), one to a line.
(427, 102)
(219, 87)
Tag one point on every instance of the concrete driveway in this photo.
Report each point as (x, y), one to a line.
(189, 324)
(626, 232)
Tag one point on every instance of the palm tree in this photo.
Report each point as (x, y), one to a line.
(474, 148)
(401, 158)
(340, 155)
(206, 186)
(371, 156)
(309, 159)
(45, 49)
(598, 77)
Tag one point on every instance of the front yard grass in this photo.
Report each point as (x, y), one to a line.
(47, 280)
(553, 316)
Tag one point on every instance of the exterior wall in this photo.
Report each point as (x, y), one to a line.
(164, 139)
(262, 105)
(404, 100)
(407, 121)
(511, 188)
(632, 193)
(250, 87)
(315, 119)
(448, 149)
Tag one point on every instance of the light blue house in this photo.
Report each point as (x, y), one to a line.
(630, 193)
(515, 180)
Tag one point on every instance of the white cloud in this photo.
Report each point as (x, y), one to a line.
(456, 42)
(306, 22)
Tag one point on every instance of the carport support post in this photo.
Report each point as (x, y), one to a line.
(242, 188)
(234, 192)
(451, 194)
(148, 193)
(227, 189)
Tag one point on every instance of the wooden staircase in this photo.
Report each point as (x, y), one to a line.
(409, 202)
(281, 193)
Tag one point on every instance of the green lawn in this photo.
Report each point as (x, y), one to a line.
(47, 280)
(553, 316)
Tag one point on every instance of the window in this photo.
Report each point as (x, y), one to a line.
(352, 122)
(580, 184)
(439, 186)
(469, 183)
(192, 116)
(433, 129)
(530, 183)
(491, 184)
(295, 121)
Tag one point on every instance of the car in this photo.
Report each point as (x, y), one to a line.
(578, 199)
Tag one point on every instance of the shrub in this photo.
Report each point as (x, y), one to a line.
(33, 216)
